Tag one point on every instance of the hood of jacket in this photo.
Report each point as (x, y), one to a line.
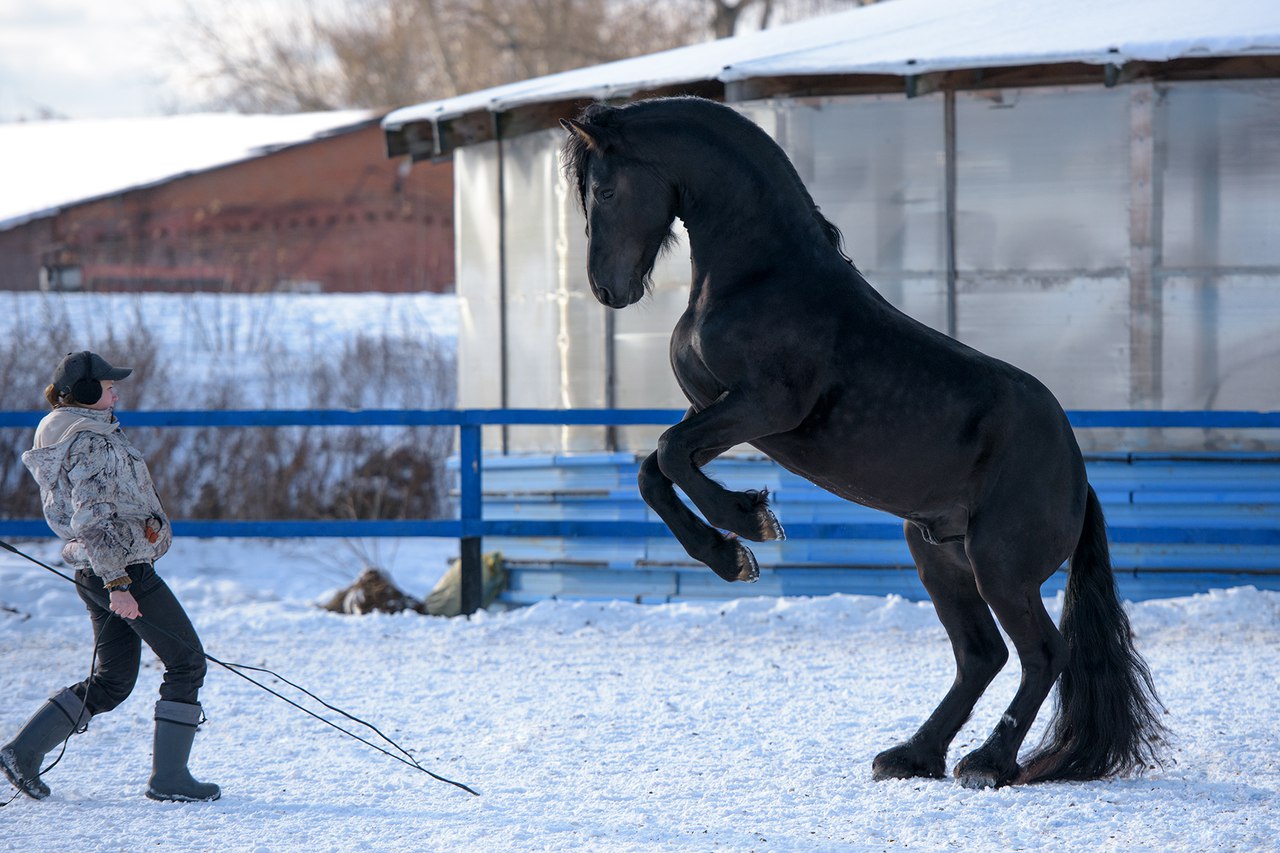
(54, 436)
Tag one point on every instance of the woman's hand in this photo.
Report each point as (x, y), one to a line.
(123, 604)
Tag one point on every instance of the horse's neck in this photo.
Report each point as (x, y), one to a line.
(742, 215)
(743, 234)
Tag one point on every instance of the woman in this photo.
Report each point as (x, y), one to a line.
(98, 497)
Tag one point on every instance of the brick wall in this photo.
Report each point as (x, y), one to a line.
(331, 215)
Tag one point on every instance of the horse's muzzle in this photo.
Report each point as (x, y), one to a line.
(617, 298)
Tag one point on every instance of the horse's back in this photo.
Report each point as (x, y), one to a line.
(913, 422)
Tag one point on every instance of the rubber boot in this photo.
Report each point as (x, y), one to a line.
(57, 719)
(176, 724)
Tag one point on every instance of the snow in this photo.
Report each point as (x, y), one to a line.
(257, 340)
(50, 164)
(610, 726)
(584, 726)
(906, 37)
(742, 725)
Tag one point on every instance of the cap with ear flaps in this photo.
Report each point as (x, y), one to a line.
(80, 375)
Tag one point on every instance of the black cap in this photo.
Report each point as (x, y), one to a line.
(77, 366)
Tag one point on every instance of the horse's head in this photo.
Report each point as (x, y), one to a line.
(628, 204)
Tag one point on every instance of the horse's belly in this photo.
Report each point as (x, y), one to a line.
(884, 480)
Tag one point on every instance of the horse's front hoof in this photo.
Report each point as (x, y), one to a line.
(748, 568)
(748, 516)
(770, 528)
(761, 524)
(733, 561)
(978, 771)
(905, 761)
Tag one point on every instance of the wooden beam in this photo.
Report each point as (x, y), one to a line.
(1146, 310)
(437, 140)
(812, 86)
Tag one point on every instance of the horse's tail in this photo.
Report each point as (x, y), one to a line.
(1106, 720)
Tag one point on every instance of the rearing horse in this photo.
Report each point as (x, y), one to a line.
(785, 346)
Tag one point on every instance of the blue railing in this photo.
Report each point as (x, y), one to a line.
(470, 527)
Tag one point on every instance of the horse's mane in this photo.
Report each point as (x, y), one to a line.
(727, 121)
(574, 154)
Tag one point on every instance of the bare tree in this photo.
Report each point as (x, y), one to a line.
(244, 61)
(379, 53)
(726, 14)
(732, 17)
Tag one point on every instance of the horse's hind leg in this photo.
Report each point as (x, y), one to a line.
(979, 651)
(728, 558)
(1009, 579)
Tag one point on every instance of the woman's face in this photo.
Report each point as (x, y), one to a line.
(109, 396)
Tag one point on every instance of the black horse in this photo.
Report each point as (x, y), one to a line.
(786, 347)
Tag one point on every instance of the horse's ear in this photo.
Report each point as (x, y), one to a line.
(594, 139)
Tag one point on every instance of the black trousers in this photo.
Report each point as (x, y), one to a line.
(163, 626)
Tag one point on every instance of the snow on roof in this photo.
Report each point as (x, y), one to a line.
(906, 37)
(48, 165)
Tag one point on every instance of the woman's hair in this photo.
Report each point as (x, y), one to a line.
(56, 399)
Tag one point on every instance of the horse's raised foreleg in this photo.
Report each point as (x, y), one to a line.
(727, 557)
(732, 419)
(979, 651)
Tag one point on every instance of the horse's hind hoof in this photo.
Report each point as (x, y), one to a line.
(976, 773)
(905, 762)
(980, 781)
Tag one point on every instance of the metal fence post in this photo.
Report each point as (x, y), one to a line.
(471, 503)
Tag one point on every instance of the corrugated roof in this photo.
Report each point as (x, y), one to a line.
(910, 37)
(48, 165)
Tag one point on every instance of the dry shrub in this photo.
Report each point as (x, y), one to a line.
(244, 473)
(373, 591)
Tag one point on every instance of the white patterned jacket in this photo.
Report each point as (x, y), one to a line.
(97, 493)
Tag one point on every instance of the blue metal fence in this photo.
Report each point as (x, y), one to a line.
(470, 527)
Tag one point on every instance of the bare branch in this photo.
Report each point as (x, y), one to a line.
(379, 53)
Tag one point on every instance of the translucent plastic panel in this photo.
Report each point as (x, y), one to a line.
(1222, 174)
(555, 328)
(1042, 179)
(642, 345)
(1071, 334)
(925, 299)
(875, 167)
(1221, 346)
(475, 175)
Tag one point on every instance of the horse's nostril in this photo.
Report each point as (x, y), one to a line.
(605, 296)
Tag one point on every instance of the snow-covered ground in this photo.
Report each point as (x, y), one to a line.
(584, 726)
(610, 726)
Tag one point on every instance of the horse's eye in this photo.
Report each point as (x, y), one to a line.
(606, 194)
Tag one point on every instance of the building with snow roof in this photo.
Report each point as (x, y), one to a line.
(237, 203)
(1087, 190)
